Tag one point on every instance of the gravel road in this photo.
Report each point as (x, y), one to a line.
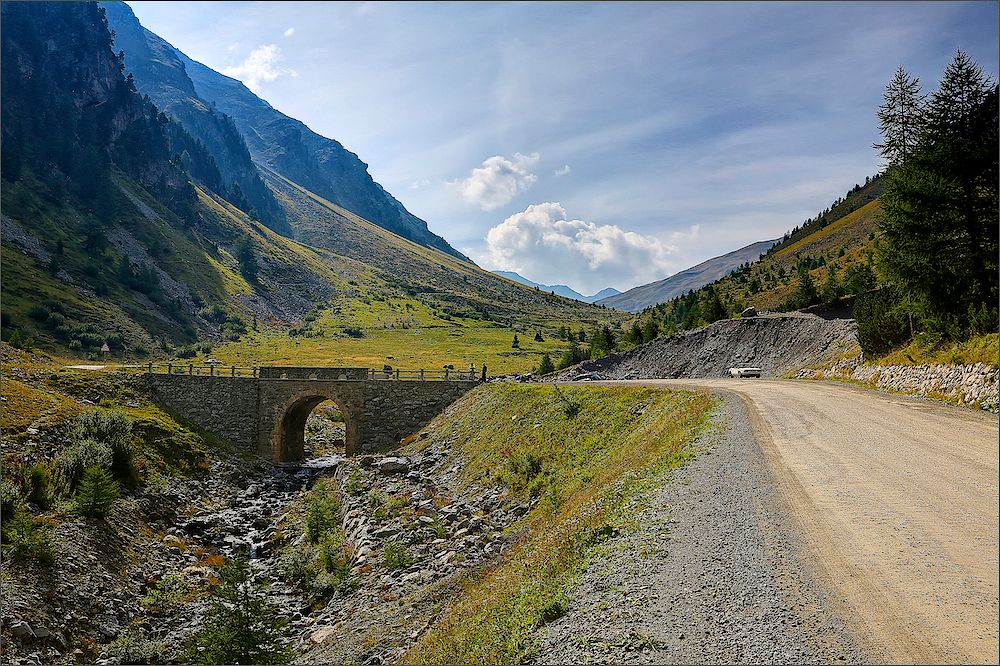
(712, 574)
(895, 499)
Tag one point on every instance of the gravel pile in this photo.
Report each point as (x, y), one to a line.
(775, 343)
(711, 575)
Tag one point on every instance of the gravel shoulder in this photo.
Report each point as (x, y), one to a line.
(712, 573)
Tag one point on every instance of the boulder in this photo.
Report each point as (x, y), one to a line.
(749, 312)
(394, 465)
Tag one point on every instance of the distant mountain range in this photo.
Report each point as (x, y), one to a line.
(560, 289)
(642, 297)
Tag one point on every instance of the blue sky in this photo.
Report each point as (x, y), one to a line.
(590, 144)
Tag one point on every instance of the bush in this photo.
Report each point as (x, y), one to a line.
(395, 556)
(97, 494)
(241, 626)
(322, 511)
(882, 325)
(169, 592)
(131, 647)
(352, 332)
(10, 499)
(39, 312)
(77, 458)
(24, 539)
(113, 428)
(355, 485)
(546, 366)
(40, 484)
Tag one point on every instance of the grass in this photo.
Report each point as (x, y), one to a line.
(978, 349)
(585, 471)
(400, 331)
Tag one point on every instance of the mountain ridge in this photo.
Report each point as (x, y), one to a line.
(708, 271)
(559, 289)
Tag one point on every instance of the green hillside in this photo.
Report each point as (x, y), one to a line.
(120, 227)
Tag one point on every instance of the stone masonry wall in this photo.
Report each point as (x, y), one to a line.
(224, 406)
(394, 410)
(971, 385)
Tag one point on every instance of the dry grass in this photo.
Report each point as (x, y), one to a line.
(586, 472)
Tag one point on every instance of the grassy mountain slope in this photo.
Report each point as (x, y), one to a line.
(643, 296)
(320, 164)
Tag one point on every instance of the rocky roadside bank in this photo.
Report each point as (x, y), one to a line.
(775, 343)
(975, 385)
(711, 573)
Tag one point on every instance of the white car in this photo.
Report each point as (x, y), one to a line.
(745, 372)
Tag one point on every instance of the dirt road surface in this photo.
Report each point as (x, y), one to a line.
(897, 500)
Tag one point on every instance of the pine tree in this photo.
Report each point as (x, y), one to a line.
(516, 344)
(805, 291)
(939, 224)
(831, 286)
(545, 366)
(96, 493)
(900, 117)
(241, 627)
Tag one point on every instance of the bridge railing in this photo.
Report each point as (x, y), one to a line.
(206, 370)
(372, 374)
(395, 374)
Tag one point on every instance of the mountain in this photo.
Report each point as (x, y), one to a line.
(559, 289)
(120, 226)
(159, 73)
(639, 298)
(207, 102)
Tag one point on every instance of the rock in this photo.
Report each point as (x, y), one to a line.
(393, 465)
(22, 630)
(173, 541)
(41, 632)
(749, 312)
(321, 635)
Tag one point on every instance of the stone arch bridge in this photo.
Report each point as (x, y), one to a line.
(265, 409)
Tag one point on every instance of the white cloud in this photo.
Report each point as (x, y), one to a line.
(261, 66)
(498, 180)
(561, 171)
(289, 32)
(543, 245)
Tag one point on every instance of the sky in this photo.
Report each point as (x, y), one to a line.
(591, 144)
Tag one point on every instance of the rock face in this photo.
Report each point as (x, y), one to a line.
(972, 385)
(776, 344)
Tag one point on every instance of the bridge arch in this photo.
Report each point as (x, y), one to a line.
(287, 439)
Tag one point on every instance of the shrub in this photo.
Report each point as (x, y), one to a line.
(131, 647)
(241, 626)
(40, 484)
(395, 556)
(97, 494)
(24, 539)
(39, 312)
(553, 610)
(355, 484)
(77, 458)
(881, 324)
(169, 592)
(352, 332)
(546, 366)
(113, 428)
(10, 499)
(322, 511)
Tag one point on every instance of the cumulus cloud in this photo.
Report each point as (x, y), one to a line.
(542, 244)
(261, 66)
(561, 171)
(289, 32)
(498, 180)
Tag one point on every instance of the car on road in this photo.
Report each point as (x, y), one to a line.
(745, 372)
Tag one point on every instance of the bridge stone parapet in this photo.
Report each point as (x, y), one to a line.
(267, 412)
